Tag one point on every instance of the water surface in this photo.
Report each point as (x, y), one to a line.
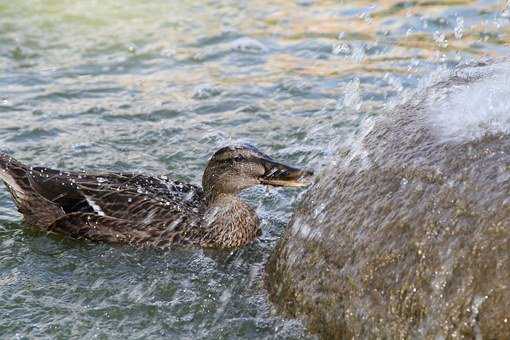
(157, 87)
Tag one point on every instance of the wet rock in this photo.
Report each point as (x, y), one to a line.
(408, 235)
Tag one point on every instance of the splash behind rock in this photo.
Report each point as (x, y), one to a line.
(409, 234)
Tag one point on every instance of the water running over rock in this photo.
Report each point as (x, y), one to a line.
(408, 235)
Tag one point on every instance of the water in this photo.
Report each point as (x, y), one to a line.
(469, 113)
(157, 87)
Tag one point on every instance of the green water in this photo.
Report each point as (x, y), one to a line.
(157, 87)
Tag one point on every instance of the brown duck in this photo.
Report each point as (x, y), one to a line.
(148, 211)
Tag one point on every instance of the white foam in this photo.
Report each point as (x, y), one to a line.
(467, 112)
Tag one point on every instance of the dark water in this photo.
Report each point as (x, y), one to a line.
(157, 87)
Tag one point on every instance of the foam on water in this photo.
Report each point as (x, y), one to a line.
(468, 112)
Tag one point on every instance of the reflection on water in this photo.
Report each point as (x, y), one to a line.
(156, 87)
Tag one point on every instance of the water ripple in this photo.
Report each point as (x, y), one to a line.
(157, 87)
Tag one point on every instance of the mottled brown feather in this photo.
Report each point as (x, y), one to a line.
(135, 209)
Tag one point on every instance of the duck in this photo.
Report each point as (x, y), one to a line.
(150, 211)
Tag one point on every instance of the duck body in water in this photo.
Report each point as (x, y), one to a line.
(147, 211)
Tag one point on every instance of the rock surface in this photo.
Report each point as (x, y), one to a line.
(408, 234)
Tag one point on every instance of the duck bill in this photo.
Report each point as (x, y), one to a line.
(281, 175)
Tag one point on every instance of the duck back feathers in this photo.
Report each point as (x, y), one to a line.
(111, 207)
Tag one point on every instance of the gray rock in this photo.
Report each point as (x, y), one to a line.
(408, 235)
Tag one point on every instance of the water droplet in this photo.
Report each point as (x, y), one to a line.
(440, 39)
(342, 49)
(352, 97)
(459, 28)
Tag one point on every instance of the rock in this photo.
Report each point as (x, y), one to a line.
(408, 234)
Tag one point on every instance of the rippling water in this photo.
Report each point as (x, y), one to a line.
(157, 87)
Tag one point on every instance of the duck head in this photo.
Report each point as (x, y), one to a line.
(235, 168)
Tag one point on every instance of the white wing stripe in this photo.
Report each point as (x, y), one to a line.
(94, 206)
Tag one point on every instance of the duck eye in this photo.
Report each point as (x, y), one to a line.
(238, 158)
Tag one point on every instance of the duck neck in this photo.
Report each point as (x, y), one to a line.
(230, 222)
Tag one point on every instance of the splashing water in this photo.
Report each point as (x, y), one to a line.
(471, 111)
(156, 87)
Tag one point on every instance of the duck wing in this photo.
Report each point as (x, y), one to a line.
(132, 197)
(160, 234)
(112, 207)
(123, 208)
